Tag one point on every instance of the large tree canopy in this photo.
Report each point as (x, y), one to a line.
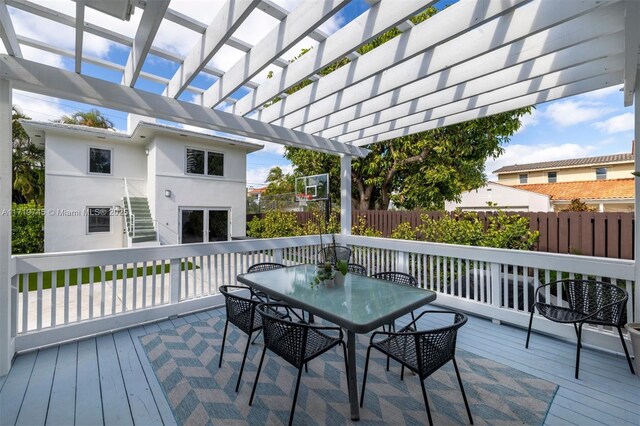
(418, 171)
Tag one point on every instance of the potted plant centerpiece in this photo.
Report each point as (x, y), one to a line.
(342, 268)
(325, 275)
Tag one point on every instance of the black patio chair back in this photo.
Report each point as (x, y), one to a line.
(333, 253)
(421, 351)
(241, 312)
(295, 341)
(265, 266)
(589, 302)
(354, 268)
(397, 277)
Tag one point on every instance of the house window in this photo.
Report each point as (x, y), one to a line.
(552, 177)
(196, 164)
(601, 173)
(100, 161)
(524, 178)
(99, 220)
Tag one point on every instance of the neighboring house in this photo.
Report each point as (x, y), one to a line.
(604, 183)
(182, 186)
(618, 166)
(503, 197)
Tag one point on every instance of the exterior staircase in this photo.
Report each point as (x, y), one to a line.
(143, 223)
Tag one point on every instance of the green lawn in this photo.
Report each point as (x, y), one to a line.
(82, 275)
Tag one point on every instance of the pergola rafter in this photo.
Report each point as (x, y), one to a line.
(7, 33)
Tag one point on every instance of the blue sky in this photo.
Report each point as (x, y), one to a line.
(591, 124)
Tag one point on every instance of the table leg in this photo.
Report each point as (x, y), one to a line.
(353, 380)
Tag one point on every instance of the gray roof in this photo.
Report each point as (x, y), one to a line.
(588, 161)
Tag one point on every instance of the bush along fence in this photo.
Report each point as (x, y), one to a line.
(607, 234)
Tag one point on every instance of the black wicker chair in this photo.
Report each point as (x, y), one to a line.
(265, 266)
(354, 268)
(241, 312)
(334, 253)
(296, 342)
(589, 302)
(422, 352)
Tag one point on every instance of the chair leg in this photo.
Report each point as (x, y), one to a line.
(257, 335)
(224, 339)
(426, 401)
(255, 384)
(626, 351)
(464, 396)
(295, 397)
(579, 345)
(346, 362)
(364, 379)
(244, 359)
(529, 330)
(575, 327)
(402, 372)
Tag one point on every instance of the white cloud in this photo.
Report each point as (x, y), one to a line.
(38, 107)
(571, 112)
(523, 154)
(616, 124)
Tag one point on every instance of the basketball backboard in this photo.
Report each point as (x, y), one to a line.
(312, 188)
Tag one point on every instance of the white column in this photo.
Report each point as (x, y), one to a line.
(636, 150)
(345, 194)
(7, 342)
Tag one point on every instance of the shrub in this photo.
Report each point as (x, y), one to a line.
(404, 231)
(361, 228)
(27, 228)
(274, 224)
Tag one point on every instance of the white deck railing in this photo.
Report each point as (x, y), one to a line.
(125, 287)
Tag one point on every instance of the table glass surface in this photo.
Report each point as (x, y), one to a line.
(360, 304)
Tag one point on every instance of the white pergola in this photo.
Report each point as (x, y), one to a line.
(473, 59)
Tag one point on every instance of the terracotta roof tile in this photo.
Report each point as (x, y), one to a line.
(588, 161)
(585, 190)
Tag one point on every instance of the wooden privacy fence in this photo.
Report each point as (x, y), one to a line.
(607, 234)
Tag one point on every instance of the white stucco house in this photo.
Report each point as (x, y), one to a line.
(154, 184)
(503, 197)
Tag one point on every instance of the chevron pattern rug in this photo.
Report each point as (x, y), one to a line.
(185, 361)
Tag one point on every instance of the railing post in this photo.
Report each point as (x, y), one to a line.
(496, 291)
(7, 341)
(175, 274)
(345, 195)
(402, 261)
(277, 255)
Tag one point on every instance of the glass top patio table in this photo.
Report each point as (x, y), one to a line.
(362, 304)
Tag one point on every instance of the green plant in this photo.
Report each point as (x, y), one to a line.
(342, 266)
(324, 273)
(27, 228)
(274, 224)
(361, 228)
(404, 231)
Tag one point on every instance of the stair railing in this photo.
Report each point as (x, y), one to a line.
(131, 226)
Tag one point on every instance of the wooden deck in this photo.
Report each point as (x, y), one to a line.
(108, 379)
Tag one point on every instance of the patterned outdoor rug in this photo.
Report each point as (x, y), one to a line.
(185, 361)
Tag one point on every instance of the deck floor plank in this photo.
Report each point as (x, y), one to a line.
(62, 404)
(161, 402)
(88, 396)
(116, 406)
(36, 399)
(15, 388)
(141, 400)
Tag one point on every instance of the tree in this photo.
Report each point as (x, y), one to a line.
(577, 205)
(279, 182)
(28, 163)
(418, 171)
(92, 118)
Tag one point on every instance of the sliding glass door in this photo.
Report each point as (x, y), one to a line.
(199, 225)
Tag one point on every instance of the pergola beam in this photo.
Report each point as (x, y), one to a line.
(370, 24)
(221, 28)
(296, 26)
(409, 81)
(447, 41)
(425, 94)
(588, 85)
(8, 33)
(50, 81)
(429, 111)
(149, 24)
(632, 49)
(79, 34)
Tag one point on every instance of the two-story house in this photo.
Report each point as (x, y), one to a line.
(604, 183)
(155, 184)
